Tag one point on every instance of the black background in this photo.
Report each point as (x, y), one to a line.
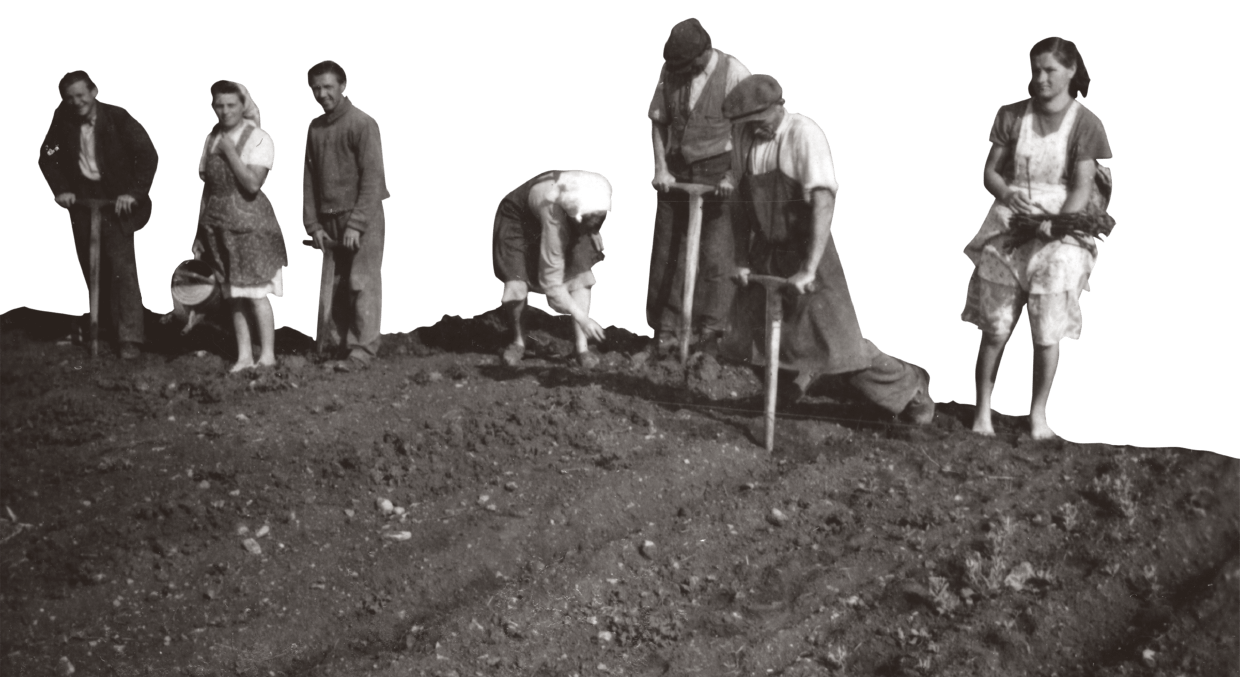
(470, 114)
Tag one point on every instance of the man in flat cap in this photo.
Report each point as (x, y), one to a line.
(784, 208)
(692, 144)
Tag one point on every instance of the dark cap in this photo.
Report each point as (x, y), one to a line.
(687, 41)
(751, 96)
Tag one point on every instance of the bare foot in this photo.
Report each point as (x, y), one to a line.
(266, 362)
(242, 365)
(1041, 431)
(513, 354)
(983, 426)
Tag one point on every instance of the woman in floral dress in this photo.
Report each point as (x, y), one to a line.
(238, 234)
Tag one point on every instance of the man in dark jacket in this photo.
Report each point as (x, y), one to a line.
(343, 193)
(97, 151)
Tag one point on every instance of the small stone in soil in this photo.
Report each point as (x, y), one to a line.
(252, 546)
(646, 549)
(777, 517)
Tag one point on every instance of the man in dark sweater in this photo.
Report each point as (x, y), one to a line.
(343, 195)
(97, 151)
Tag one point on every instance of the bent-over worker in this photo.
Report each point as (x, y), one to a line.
(786, 203)
(546, 240)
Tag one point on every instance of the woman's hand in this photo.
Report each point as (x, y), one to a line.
(593, 330)
(224, 146)
(1017, 202)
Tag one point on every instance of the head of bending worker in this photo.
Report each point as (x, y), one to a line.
(547, 240)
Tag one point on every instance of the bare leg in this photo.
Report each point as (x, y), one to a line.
(266, 321)
(1045, 363)
(989, 354)
(515, 350)
(241, 327)
(582, 298)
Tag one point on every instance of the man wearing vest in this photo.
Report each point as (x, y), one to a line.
(692, 144)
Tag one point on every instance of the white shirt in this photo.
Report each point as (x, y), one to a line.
(259, 149)
(802, 151)
(736, 73)
(87, 162)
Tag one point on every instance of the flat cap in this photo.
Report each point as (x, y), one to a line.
(687, 41)
(751, 96)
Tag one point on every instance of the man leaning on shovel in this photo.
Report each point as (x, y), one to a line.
(692, 145)
(785, 206)
(96, 153)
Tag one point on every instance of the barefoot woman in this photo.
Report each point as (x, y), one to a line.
(237, 231)
(1042, 163)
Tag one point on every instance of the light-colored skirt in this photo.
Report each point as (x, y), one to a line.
(274, 286)
(1036, 267)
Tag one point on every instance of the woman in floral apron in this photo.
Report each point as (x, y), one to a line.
(237, 230)
(1042, 167)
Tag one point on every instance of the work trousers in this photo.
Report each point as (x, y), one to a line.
(351, 292)
(712, 295)
(120, 298)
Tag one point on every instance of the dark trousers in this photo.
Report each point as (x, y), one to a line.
(120, 298)
(351, 293)
(712, 295)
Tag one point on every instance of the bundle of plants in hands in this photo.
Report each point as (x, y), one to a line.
(1080, 226)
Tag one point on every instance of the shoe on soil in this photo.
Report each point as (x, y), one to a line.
(708, 342)
(513, 354)
(920, 410)
(587, 359)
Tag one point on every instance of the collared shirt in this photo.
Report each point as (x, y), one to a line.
(736, 73)
(799, 150)
(86, 151)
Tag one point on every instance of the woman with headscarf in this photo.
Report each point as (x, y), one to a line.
(238, 234)
(546, 239)
(1036, 246)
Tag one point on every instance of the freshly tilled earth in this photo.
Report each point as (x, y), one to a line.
(441, 514)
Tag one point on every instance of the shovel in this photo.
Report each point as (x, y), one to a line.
(92, 284)
(696, 192)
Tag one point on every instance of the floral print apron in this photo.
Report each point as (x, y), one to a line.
(240, 236)
(1041, 171)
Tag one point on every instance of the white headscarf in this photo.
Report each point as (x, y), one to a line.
(583, 193)
(251, 109)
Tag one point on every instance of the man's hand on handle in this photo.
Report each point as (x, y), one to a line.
(802, 282)
(663, 180)
(124, 204)
(725, 187)
(66, 200)
(322, 240)
(741, 277)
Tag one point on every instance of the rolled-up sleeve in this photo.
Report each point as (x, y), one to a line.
(658, 110)
(736, 73)
(810, 154)
(372, 187)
